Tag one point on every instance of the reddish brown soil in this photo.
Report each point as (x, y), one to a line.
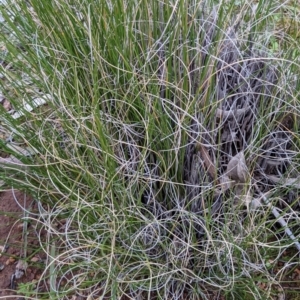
(11, 228)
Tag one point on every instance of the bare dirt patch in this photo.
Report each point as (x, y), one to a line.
(11, 239)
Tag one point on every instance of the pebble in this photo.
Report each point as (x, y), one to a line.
(10, 261)
(35, 259)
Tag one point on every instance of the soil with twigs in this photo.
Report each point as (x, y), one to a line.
(12, 246)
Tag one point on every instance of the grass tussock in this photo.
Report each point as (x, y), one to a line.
(163, 135)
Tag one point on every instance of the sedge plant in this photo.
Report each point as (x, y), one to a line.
(162, 135)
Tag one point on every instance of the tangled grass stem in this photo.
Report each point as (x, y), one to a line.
(161, 125)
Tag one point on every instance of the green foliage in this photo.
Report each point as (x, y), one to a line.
(122, 84)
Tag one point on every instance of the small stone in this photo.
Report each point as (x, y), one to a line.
(19, 273)
(2, 266)
(20, 269)
(35, 259)
(10, 261)
(22, 265)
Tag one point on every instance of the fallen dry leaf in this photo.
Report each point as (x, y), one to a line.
(237, 168)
